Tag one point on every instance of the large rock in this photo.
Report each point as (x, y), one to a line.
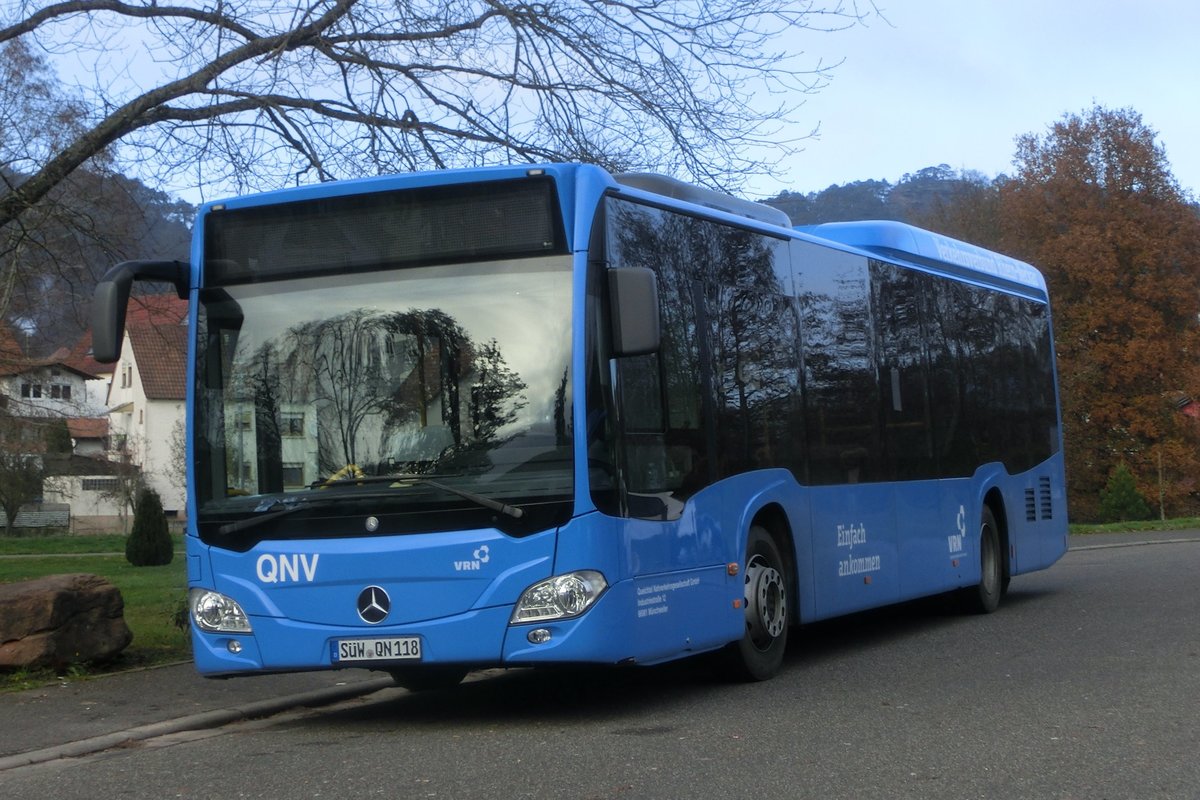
(62, 619)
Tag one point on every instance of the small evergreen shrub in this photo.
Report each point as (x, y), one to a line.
(1120, 500)
(149, 543)
(58, 438)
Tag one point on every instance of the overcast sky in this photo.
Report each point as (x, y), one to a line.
(956, 81)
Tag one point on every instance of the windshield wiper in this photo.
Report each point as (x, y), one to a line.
(274, 511)
(409, 480)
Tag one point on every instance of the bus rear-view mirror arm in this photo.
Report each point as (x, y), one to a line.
(633, 297)
(112, 297)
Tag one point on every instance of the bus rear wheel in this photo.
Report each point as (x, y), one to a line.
(984, 597)
(758, 655)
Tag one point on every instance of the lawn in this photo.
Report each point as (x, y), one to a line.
(153, 595)
(1133, 526)
(61, 544)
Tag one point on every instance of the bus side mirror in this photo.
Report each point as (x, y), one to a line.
(633, 298)
(112, 297)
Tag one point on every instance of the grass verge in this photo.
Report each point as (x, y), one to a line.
(65, 544)
(152, 597)
(1184, 524)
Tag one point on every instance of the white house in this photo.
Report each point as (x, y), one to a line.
(48, 387)
(146, 398)
(36, 393)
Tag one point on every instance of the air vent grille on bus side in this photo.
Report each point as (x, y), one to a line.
(1030, 506)
(1047, 504)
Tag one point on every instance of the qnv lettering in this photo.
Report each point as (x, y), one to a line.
(284, 568)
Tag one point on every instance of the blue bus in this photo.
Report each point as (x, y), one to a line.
(543, 415)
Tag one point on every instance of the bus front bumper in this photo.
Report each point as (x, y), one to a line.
(477, 639)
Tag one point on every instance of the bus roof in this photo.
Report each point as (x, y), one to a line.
(898, 240)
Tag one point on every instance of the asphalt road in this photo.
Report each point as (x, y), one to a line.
(1086, 684)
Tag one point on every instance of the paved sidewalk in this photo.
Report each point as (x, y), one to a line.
(76, 717)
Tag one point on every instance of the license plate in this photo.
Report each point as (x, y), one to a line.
(395, 648)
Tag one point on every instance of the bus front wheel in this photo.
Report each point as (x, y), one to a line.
(758, 655)
(984, 597)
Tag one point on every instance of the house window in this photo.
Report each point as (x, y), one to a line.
(291, 423)
(101, 484)
(26, 390)
(293, 474)
(243, 421)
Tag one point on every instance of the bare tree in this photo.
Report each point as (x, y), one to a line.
(127, 478)
(52, 255)
(321, 89)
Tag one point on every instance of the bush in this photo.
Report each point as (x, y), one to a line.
(1120, 500)
(149, 543)
(58, 438)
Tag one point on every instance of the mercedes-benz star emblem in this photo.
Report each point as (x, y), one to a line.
(374, 605)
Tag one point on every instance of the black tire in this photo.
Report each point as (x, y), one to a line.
(758, 655)
(427, 679)
(984, 598)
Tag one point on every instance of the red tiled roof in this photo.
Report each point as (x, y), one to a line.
(13, 360)
(87, 428)
(161, 353)
(150, 309)
(156, 309)
(11, 352)
(80, 357)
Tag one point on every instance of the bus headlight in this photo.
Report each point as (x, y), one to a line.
(560, 597)
(216, 613)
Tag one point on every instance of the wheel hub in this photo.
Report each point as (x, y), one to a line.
(766, 601)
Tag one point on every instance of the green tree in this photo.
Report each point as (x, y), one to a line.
(58, 437)
(1120, 500)
(149, 543)
(21, 479)
(1094, 205)
(22, 469)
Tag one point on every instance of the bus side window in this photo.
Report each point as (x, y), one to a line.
(840, 365)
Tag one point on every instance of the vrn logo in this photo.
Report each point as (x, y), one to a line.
(285, 568)
(478, 559)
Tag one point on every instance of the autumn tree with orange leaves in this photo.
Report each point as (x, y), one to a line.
(1094, 205)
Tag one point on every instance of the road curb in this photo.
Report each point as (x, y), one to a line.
(195, 722)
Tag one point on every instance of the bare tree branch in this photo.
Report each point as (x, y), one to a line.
(137, 114)
(255, 95)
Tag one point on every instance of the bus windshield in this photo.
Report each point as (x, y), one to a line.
(312, 392)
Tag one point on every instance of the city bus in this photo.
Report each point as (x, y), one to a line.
(523, 416)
